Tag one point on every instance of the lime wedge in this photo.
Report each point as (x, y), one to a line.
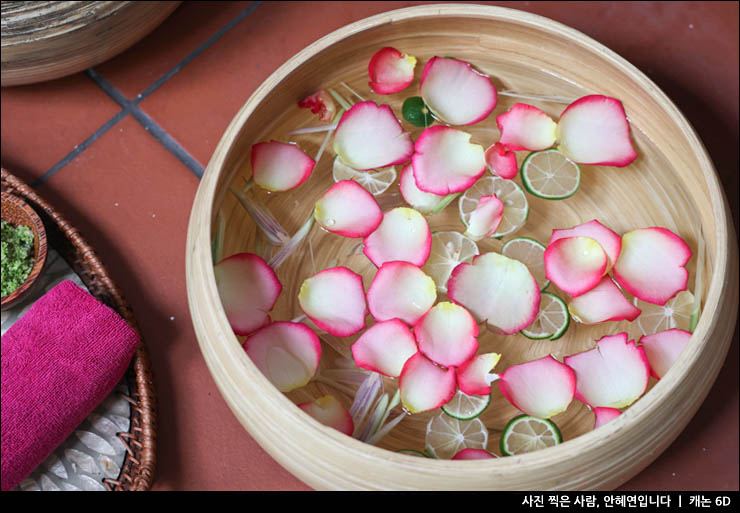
(676, 313)
(532, 254)
(447, 436)
(466, 407)
(516, 208)
(550, 175)
(449, 249)
(375, 182)
(527, 434)
(552, 320)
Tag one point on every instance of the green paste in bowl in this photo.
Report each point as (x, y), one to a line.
(17, 256)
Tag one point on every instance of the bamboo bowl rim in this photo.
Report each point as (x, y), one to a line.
(39, 257)
(219, 347)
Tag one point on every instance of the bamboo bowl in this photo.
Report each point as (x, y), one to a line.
(47, 40)
(671, 184)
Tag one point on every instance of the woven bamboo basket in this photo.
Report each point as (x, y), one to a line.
(47, 40)
(672, 184)
(137, 471)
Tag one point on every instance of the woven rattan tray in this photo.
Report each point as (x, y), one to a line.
(137, 471)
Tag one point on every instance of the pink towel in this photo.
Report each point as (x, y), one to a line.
(59, 361)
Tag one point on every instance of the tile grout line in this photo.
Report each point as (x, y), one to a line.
(131, 107)
(195, 53)
(79, 148)
(148, 123)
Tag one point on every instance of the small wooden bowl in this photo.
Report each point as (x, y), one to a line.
(17, 212)
(671, 184)
(47, 40)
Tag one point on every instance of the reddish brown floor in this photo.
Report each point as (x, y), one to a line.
(127, 179)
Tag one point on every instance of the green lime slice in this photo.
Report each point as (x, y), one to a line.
(527, 434)
(449, 249)
(552, 320)
(676, 313)
(416, 112)
(516, 207)
(550, 175)
(532, 254)
(466, 407)
(375, 182)
(447, 436)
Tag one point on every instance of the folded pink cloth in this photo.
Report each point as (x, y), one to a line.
(59, 361)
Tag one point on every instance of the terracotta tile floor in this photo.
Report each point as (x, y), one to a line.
(120, 148)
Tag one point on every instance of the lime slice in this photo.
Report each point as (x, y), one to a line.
(532, 254)
(416, 112)
(447, 436)
(449, 249)
(552, 320)
(516, 208)
(375, 182)
(676, 313)
(527, 434)
(413, 452)
(466, 407)
(550, 175)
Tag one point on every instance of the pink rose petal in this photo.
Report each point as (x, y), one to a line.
(391, 71)
(400, 290)
(278, 166)
(575, 264)
(384, 348)
(287, 353)
(447, 334)
(369, 136)
(474, 376)
(425, 386)
(330, 412)
(663, 349)
(347, 209)
(541, 388)
(613, 375)
(498, 290)
(334, 299)
(403, 235)
(525, 127)
(594, 130)
(445, 161)
(603, 303)
(652, 264)
(501, 161)
(455, 92)
(248, 288)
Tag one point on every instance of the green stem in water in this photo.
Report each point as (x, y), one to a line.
(248, 184)
(341, 101)
(348, 88)
(446, 201)
(698, 284)
(292, 244)
(313, 129)
(536, 97)
(263, 218)
(218, 240)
